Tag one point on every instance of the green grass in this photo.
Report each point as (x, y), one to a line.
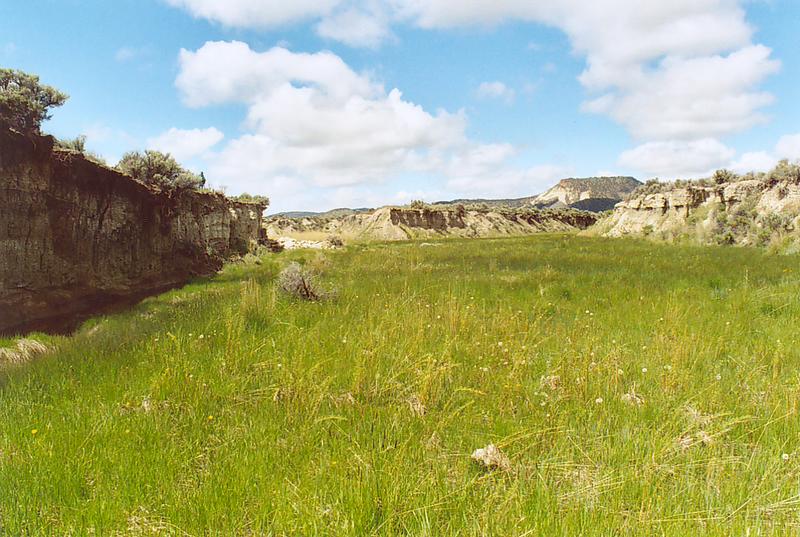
(225, 409)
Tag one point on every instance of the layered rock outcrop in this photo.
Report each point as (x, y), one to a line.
(403, 223)
(76, 236)
(754, 211)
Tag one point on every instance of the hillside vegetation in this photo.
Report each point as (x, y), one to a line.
(635, 389)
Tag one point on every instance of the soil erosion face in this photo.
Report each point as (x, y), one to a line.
(77, 237)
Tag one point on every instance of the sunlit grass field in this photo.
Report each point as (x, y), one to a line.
(637, 389)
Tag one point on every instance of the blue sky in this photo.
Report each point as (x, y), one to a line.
(498, 97)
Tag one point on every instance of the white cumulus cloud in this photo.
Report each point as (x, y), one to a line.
(679, 76)
(496, 90)
(789, 147)
(186, 144)
(312, 120)
(367, 26)
(256, 13)
(671, 159)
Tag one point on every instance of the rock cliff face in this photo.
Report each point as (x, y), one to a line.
(755, 211)
(402, 223)
(76, 236)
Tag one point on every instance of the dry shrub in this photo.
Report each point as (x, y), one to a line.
(25, 350)
(301, 283)
(335, 241)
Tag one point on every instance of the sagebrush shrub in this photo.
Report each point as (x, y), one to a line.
(299, 282)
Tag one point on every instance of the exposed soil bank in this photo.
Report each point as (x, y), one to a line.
(77, 237)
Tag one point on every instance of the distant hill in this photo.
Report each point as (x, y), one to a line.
(594, 194)
(333, 213)
(569, 192)
(513, 203)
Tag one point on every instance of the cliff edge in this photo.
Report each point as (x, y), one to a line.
(76, 236)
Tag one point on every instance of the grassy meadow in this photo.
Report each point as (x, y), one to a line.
(636, 388)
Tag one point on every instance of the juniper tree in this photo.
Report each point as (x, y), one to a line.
(24, 102)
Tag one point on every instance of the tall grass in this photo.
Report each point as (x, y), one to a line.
(637, 389)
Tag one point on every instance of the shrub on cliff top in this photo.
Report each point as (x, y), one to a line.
(78, 145)
(24, 102)
(160, 170)
(250, 198)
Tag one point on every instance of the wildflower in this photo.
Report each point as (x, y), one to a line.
(620, 372)
(785, 456)
(644, 370)
(667, 367)
(210, 418)
(719, 377)
(34, 432)
(499, 343)
(599, 401)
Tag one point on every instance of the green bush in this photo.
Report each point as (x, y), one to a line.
(249, 198)
(159, 170)
(75, 144)
(78, 145)
(24, 102)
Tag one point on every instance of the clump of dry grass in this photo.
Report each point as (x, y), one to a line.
(491, 458)
(24, 351)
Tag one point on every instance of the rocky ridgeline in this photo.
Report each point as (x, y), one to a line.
(403, 223)
(76, 236)
(754, 210)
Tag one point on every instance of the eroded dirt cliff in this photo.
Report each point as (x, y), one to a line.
(76, 236)
(755, 210)
(403, 223)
